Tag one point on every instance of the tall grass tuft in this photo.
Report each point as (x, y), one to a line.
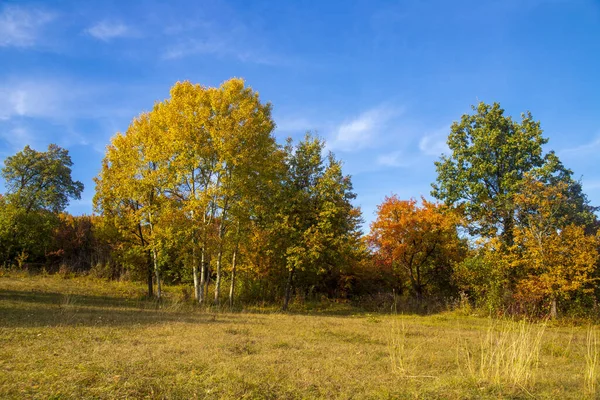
(509, 354)
(591, 363)
(397, 349)
(402, 356)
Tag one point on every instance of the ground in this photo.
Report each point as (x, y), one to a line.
(79, 337)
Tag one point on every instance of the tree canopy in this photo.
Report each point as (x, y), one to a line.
(490, 155)
(41, 180)
(39, 186)
(419, 244)
(198, 191)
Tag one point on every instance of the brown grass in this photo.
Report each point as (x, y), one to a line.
(85, 338)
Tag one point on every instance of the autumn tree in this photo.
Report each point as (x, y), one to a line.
(254, 213)
(490, 154)
(246, 151)
(198, 158)
(420, 244)
(73, 242)
(131, 188)
(222, 151)
(484, 276)
(194, 160)
(553, 257)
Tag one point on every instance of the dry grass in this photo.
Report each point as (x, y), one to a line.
(509, 354)
(84, 338)
(591, 363)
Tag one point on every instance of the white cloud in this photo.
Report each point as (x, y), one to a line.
(293, 125)
(191, 47)
(20, 27)
(34, 98)
(362, 131)
(31, 99)
(64, 99)
(226, 36)
(591, 147)
(65, 104)
(435, 143)
(393, 159)
(108, 30)
(18, 137)
(221, 47)
(592, 184)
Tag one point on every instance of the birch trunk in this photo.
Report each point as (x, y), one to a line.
(232, 285)
(156, 273)
(219, 259)
(202, 275)
(150, 278)
(155, 258)
(553, 309)
(197, 291)
(195, 273)
(288, 289)
(149, 263)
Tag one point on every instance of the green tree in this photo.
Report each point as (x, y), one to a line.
(490, 154)
(40, 180)
(317, 219)
(39, 186)
(24, 236)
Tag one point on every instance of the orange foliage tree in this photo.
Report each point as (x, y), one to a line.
(553, 257)
(419, 244)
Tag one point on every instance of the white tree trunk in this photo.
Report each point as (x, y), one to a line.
(232, 285)
(156, 272)
(195, 273)
(202, 275)
(219, 259)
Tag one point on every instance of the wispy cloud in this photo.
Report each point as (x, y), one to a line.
(393, 159)
(107, 30)
(435, 144)
(414, 151)
(195, 46)
(220, 47)
(402, 159)
(592, 184)
(30, 99)
(294, 125)
(36, 110)
(18, 137)
(21, 27)
(63, 99)
(226, 36)
(587, 148)
(363, 130)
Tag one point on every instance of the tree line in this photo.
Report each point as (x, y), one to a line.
(197, 191)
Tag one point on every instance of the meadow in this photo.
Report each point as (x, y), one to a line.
(79, 337)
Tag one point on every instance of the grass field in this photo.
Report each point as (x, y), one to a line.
(84, 338)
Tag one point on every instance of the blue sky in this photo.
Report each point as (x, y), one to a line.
(381, 81)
